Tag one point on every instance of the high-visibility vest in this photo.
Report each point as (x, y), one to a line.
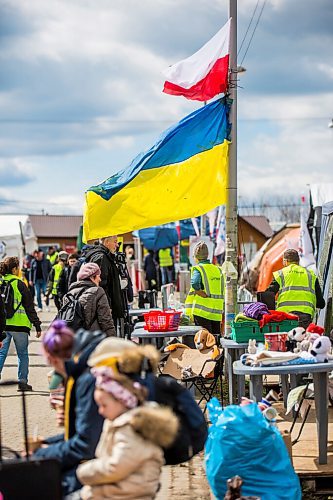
(20, 317)
(297, 289)
(53, 258)
(57, 271)
(165, 258)
(212, 306)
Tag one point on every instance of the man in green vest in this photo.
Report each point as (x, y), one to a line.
(166, 265)
(22, 317)
(298, 289)
(205, 301)
(54, 276)
(52, 255)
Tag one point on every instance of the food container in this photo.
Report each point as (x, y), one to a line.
(276, 341)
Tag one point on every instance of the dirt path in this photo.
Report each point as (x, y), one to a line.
(186, 482)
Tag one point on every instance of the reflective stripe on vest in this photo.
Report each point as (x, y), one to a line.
(297, 289)
(212, 306)
(20, 317)
(57, 271)
(165, 258)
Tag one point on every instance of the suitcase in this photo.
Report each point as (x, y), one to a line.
(28, 478)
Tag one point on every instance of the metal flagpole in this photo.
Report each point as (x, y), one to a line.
(231, 264)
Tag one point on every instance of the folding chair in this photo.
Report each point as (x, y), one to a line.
(297, 412)
(206, 386)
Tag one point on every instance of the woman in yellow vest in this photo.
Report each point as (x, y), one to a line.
(205, 301)
(18, 326)
(298, 289)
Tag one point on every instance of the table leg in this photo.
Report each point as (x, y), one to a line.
(321, 401)
(230, 358)
(256, 387)
(285, 388)
(240, 379)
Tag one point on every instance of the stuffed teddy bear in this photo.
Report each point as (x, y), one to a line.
(321, 350)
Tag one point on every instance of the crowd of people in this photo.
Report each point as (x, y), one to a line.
(120, 421)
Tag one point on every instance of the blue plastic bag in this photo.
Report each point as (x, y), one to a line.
(242, 442)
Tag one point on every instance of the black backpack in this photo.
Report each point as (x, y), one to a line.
(193, 431)
(7, 294)
(72, 312)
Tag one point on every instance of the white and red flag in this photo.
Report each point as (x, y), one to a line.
(203, 75)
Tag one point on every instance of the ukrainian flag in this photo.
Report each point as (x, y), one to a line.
(183, 175)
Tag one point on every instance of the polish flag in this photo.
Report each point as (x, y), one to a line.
(203, 75)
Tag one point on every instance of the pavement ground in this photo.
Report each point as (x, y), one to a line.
(186, 481)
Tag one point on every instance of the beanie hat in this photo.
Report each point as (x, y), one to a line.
(63, 255)
(201, 251)
(88, 270)
(108, 350)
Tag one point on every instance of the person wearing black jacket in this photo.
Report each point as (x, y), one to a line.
(19, 325)
(2, 321)
(83, 424)
(104, 256)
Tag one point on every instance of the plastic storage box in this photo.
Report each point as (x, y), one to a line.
(246, 330)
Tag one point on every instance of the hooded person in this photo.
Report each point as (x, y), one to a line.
(129, 455)
(68, 354)
(95, 306)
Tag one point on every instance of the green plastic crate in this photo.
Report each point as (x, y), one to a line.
(282, 326)
(246, 330)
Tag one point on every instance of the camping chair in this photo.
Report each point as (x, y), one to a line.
(297, 412)
(206, 386)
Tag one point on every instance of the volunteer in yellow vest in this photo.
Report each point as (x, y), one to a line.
(19, 325)
(52, 255)
(166, 264)
(53, 279)
(298, 289)
(205, 301)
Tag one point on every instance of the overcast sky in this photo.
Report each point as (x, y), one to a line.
(81, 82)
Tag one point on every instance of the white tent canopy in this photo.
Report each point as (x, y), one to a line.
(16, 236)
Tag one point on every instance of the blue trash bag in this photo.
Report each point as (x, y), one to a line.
(242, 442)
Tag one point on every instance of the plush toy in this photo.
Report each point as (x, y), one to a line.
(295, 337)
(205, 340)
(321, 349)
(187, 372)
(306, 344)
(312, 328)
(252, 348)
(173, 345)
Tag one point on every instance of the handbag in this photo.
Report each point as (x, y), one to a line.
(28, 478)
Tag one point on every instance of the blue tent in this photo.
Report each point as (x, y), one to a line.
(154, 238)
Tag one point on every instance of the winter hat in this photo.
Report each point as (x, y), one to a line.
(201, 251)
(89, 270)
(63, 256)
(108, 350)
(312, 328)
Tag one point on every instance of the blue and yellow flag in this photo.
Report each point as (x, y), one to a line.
(183, 175)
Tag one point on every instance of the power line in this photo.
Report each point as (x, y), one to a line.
(253, 14)
(255, 28)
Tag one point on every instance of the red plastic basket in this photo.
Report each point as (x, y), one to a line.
(162, 321)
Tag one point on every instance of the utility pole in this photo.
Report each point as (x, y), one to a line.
(203, 225)
(231, 261)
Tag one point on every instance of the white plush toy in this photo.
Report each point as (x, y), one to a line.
(252, 348)
(321, 349)
(297, 335)
(306, 344)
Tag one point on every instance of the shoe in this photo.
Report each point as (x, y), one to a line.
(39, 310)
(23, 386)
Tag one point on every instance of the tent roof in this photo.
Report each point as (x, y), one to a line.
(260, 223)
(10, 224)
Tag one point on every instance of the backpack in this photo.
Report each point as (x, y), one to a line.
(7, 294)
(193, 431)
(72, 312)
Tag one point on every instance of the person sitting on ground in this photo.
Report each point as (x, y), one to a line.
(19, 325)
(129, 455)
(92, 297)
(68, 354)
